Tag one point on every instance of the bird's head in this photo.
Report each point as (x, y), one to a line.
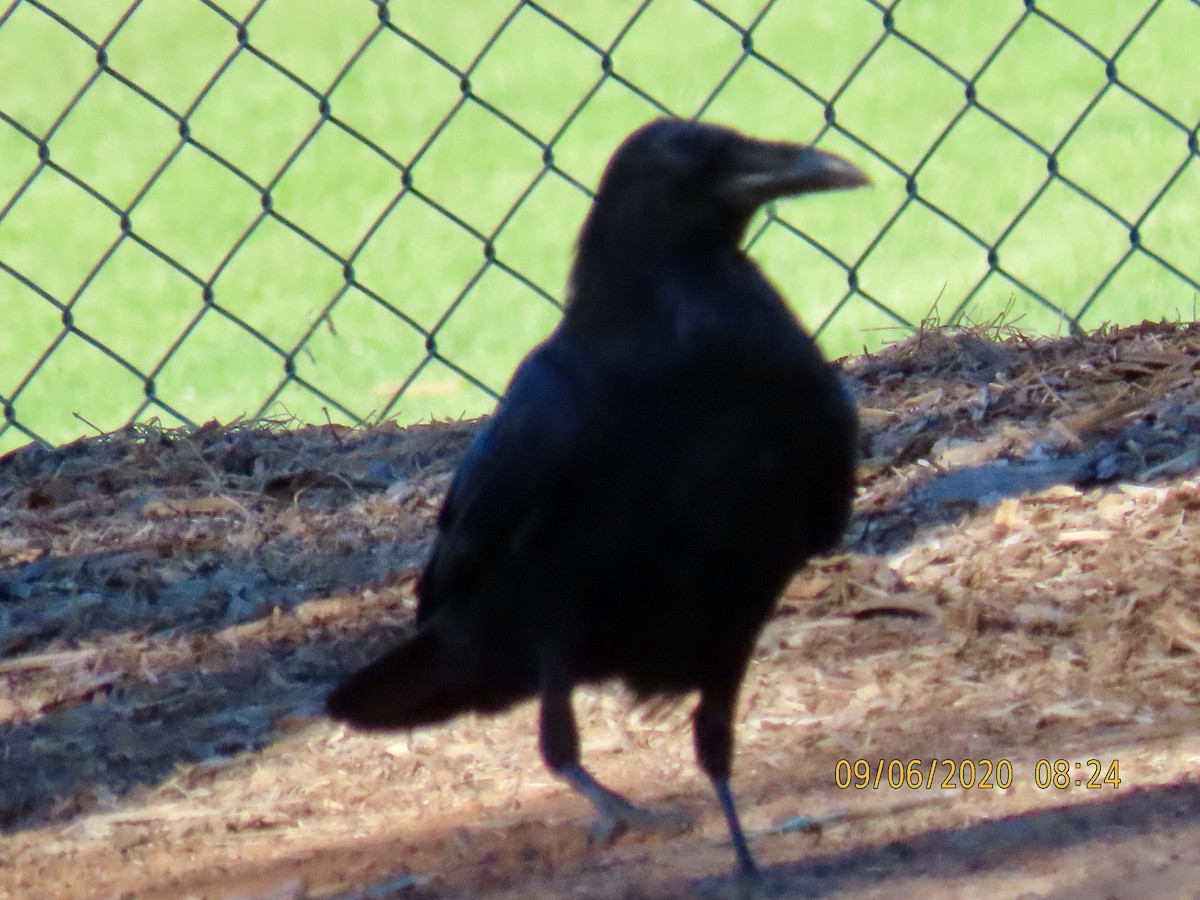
(677, 188)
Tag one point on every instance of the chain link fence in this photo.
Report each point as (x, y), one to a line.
(363, 209)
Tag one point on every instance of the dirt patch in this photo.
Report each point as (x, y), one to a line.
(1019, 587)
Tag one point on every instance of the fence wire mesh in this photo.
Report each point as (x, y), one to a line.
(365, 209)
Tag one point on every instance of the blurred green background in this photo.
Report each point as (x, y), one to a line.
(350, 210)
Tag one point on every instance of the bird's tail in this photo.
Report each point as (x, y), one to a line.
(417, 683)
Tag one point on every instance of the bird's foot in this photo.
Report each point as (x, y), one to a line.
(616, 815)
(744, 884)
(617, 818)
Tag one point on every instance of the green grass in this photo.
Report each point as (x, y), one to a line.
(280, 301)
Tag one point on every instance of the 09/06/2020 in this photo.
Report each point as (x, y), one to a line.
(967, 774)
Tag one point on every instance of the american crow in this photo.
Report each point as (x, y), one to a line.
(657, 470)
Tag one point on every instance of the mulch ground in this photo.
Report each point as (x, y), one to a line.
(1019, 587)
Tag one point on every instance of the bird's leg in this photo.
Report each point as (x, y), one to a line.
(616, 815)
(712, 725)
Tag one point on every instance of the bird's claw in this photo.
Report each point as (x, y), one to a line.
(744, 884)
(610, 826)
(603, 832)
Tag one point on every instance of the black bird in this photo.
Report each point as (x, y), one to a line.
(657, 470)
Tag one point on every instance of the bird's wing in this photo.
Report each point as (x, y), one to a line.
(514, 468)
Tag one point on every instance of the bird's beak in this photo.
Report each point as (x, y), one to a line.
(766, 170)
